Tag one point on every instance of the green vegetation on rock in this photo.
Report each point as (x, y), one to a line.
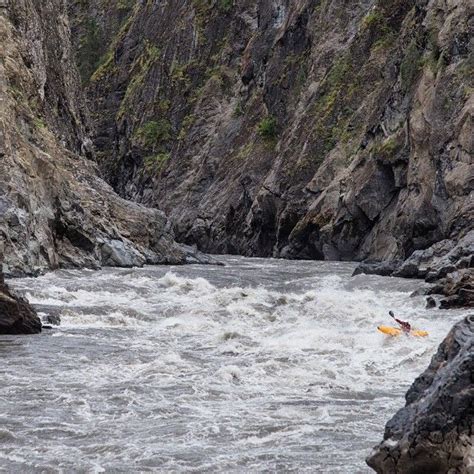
(387, 150)
(186, 125)
(376, 23)
(268, 128)
(153, 164)
(139, 70)
(333, 109)
(153, 133)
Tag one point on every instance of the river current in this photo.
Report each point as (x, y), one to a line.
(256, 366)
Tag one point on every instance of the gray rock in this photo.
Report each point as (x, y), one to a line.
(430, 302)
(193, 255)
(117, 253)
(420, 292)
(440, 259)
(458, 287)
(433, 433)
(379, 268)
(53, 319)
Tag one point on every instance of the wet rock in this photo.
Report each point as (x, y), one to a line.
(16, 314)
(379, 268)
(193, 255)
(430, 302)
(440, 259)
(433, 432)
(420, 292)
(410, 269)
(458, 288)
(53, 319)
(448, 264)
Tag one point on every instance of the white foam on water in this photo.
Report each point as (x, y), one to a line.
(260, 365)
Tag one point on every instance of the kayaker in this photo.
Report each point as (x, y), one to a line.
(406, 327)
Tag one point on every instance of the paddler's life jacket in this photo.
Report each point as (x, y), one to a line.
(405, 326)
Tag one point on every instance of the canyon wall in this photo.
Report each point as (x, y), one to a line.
(54, 209)
(331, 129)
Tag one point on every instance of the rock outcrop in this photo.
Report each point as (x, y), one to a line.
(434, 432)
(302, 129)
(54, 209)
(448, 263)
(458, 288)
(16, 315)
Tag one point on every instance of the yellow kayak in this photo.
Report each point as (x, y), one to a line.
(391, 331)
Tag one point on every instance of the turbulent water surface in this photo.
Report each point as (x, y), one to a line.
(259, 365)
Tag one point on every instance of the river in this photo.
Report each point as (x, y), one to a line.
(256, 366)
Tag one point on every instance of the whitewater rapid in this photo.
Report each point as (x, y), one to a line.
(258, 365)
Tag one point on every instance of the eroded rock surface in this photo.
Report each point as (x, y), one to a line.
(434, 432)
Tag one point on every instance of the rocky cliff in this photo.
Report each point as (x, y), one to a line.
(433, 433)
(326, 129)
(54, 209)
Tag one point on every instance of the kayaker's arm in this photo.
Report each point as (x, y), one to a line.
(404, 324)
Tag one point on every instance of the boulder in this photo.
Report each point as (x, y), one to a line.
(16, 314)
(377, 268)
(433, 433)
(117, 253)
(430, 302)
(193, 255)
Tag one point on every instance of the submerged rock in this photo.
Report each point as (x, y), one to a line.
(433, 433)
(430, 302)
(16, 314)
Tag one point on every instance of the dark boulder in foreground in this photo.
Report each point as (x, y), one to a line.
(433, 433)
(16, 314)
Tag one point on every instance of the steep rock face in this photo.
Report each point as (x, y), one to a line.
(324, 129)
(16, 315)
(54, 210)
(95, 23)
(434, 431)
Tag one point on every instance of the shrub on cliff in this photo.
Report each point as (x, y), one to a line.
(268, 128)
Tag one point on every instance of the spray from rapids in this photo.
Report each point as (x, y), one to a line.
(258, 365)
